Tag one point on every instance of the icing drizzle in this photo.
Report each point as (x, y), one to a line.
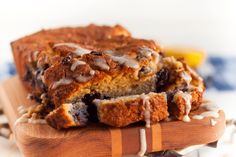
(187, 78)
(187, 98)
(61, 82)
(21, 109)
(101, 63)
(26, 119)
(82, 78)
(78, 49)
(212, 112)
(124, 59)
(76, 63)
(143, 142)
(147, 112)
(121, 59)
(213, 122)
(147, 52)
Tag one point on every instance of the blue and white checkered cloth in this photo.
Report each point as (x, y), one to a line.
(6, 70)
(219, 73)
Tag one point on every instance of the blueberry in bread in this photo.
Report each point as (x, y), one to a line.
(103, 74)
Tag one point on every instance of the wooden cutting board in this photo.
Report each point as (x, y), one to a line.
(99, 140)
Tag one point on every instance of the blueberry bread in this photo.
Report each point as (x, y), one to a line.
(103, 74)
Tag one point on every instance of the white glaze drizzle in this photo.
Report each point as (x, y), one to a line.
(131, 63)
(76, 63)
(35, 54)
(92, 72)
(186, 118)
(34, 119)
(210, 114)
(198, 117)
(212, 111)
(34, 57)
(143, 143)
(97, 102)
(29, 96)
(23, 119)
(61, 82)
(101, 63)
(187, 78)
(187, 98)
(147, 111)
(124, 59)
(78, 49)
(81, 78)
(157, 57)
(43, 79)
(206, 114)
(43, 95)
(213, 122)
(147, 52)
(210, 106)
(21, 109)
(26, 119)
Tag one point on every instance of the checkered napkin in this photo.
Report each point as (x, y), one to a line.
(219, 73)
(7, 69)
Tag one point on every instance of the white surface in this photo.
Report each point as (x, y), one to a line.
(206, 24)
(225, 100)
(7, 148)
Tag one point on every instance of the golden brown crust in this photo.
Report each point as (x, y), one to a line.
(125, 112)
(38, 50)
(68, 115)
(177, 108)
(117, 112)
(60, 118)
(181, 78)
(67, 64)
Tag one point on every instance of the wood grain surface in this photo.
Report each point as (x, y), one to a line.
(98, 140)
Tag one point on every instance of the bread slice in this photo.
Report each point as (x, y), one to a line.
(65, 67)
(118, 112)
(122, 111)
(68, 115)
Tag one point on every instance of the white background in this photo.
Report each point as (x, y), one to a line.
(205, 24)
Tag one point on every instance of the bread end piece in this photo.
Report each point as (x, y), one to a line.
(68, 115)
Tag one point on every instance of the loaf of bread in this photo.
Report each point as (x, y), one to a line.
(102, 74)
